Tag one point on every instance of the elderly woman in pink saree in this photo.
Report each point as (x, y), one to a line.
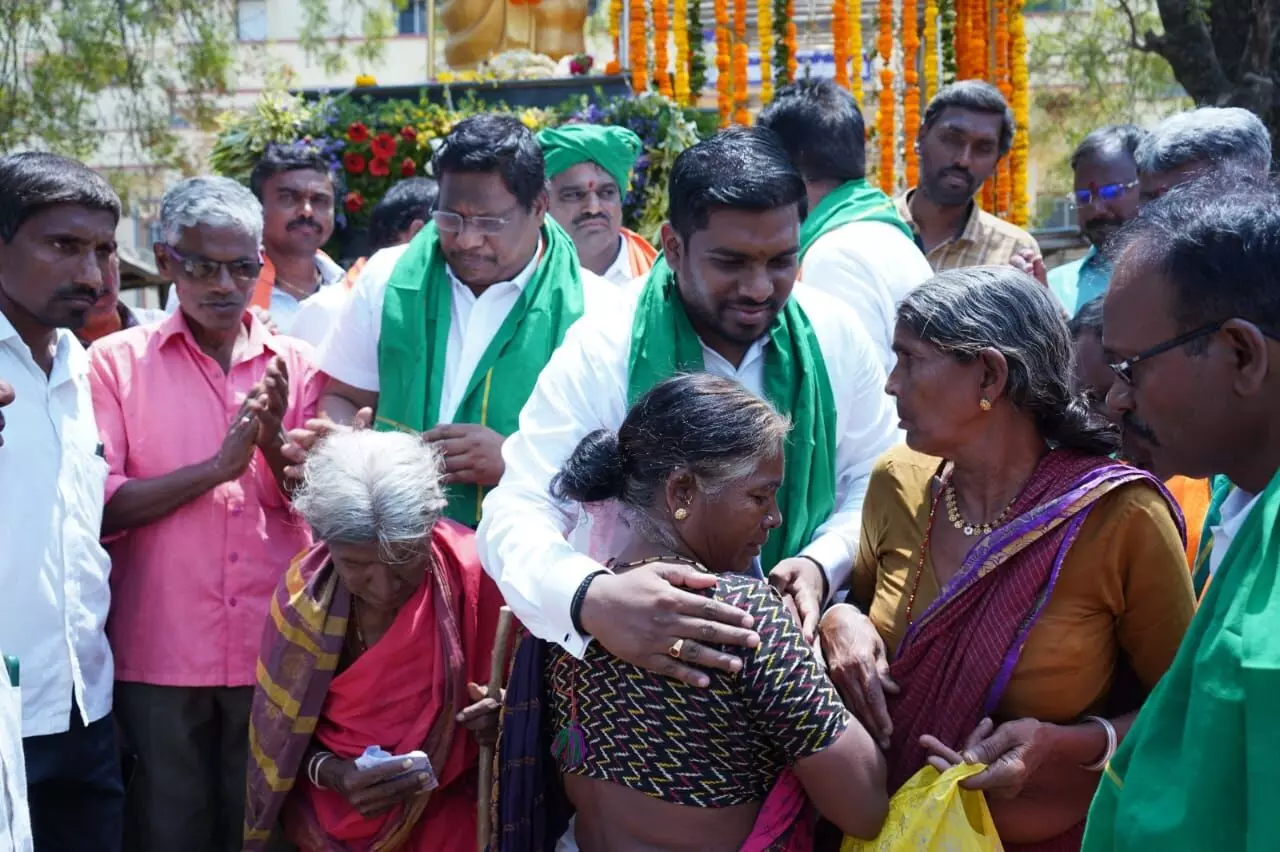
(1022, 591)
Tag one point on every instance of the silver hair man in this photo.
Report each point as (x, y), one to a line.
(1190, 144)
(216, 201)
(372, 487)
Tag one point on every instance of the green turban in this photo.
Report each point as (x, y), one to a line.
(614, 149)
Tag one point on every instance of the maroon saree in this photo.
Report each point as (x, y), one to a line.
(958, 656)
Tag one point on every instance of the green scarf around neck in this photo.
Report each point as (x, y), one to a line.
(664, 344)
(853, 201)
(1193, 772)
(414, 342)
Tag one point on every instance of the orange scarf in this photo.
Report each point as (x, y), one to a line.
(640, 253)
(267, 281)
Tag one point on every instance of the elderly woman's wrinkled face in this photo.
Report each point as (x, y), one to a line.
(938, 397)
(726, 530)
(380, 583)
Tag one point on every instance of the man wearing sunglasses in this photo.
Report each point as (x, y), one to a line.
(192, 414)
(1192, 331)
(446, 336)
(1105, 197)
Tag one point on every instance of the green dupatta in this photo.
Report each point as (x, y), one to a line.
(854, 201)
(664, 344)
(415, 338)
(1196, 771)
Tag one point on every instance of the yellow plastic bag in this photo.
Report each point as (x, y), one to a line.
(932, 814)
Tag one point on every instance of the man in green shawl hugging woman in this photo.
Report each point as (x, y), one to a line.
(446, 336)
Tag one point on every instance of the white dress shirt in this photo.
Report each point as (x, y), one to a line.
(53, 571)
(524, 536)
(350, 352)
(1235, 511)
(619, 272)
(871, 267)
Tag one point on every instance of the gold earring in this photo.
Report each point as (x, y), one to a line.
(985, 404)
(682, 513)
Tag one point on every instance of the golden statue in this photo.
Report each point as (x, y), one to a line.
(479, 29)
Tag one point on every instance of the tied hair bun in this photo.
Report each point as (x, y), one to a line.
(594, 472)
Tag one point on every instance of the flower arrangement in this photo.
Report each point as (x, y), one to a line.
(840, 41)
(911, 88)
(1004, 177)
(615, 35)
(697, 58)
(580, 65)
(1018, 158)
(884, 121)
(740, 60)
(930, 50)
(782, 49)
(661, 33)
(680, 30)
(790, 40)
(724, 83)
(764, 30)
(855, 48)
(370, 145)
(947, 38)
(638, 49)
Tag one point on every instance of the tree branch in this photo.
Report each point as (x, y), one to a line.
(1144, 43)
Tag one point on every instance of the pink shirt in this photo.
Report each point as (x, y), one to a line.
(191, 591)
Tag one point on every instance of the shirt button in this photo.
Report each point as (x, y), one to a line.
(231, 602)
(233, 558)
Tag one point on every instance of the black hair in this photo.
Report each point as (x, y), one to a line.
(280, 158)
(819, 125)
(490, 142)
(34, 180)
(744, 168)
(406, 201)
(975, 96)
(710, 426)
(1108, 140)
(1088, 318)
(1218, 246)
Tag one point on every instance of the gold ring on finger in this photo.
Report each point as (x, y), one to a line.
(675, 649)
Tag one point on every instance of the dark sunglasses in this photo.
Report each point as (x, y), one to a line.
(1124, 369)
(205, 269)
(1106, 192)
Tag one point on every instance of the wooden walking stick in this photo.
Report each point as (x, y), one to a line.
(484, 816)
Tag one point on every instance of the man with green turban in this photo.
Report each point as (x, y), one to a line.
(589, 170)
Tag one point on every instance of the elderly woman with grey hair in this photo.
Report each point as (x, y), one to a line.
(378, 637)
(191, 414)
(1016, 592)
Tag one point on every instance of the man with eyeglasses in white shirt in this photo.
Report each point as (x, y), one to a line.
(57, 242)
(446, 335)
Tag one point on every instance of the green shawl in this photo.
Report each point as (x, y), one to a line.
(1197, 770)
(1221, 487)
(415, 338)
(854, 201)
(664, 344)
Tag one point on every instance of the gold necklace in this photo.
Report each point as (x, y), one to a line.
(966, 526)
(355, 620)
(650, 560)
(294, 290)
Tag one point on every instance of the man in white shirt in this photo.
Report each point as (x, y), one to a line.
(57, 240)
(853, 244)
(446, 335)
(723, 300)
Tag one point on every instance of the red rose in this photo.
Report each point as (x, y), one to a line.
(408, 134)
(379, 167)
(353, 163)
(358, 132)
(408, 168)
(354, 202)
(384, 146)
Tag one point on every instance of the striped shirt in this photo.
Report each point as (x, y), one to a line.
(984, 241)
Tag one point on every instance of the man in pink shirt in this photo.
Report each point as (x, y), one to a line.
(192, 413)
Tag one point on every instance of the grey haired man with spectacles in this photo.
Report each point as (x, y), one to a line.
(191, 415)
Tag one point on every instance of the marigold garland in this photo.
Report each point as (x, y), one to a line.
(884, 121)
(947, 36)
(724, 99)
(1004, 177)
(1019, 213)
(911, 86)
(764, 30)
(661, 35)
(638, 50)
(697, 61)
(615, 35)
(855, 48)
(680, 28)
(840, 41)
(740, 57)
(792, 63)
(930, 50)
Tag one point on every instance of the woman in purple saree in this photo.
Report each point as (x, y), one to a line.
(1022, 591)
(648, 762)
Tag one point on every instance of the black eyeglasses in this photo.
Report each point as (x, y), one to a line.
(206, 269)
(1124, 369)
(1106, 192)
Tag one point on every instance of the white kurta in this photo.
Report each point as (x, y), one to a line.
(524, 535)
(871, 267)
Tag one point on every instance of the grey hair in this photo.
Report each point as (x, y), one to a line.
(216, 201)
(964, 311)
(362, 487)
(1216, 135)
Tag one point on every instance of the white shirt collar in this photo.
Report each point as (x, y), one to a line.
(619, 271)
(519, 282)
(1235, 510)
(70, 361)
